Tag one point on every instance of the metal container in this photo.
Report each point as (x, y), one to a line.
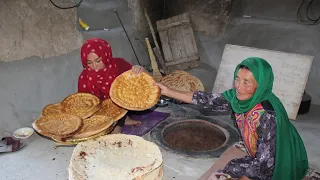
(163, 102)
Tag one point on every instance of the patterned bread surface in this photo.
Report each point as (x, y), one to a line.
(81, 104)
(94, 125)
(60, 125)
(51, 109)
(134, 92)
(109, 108)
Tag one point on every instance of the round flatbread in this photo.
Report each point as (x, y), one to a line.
(58, 126)
(177, 82)
(93, 125)
(134, 92)
(195, 83)
(109, 108)
(182, 81)
(51, 109)
(74, 141)
(83, 105)
(116, 157)
(181, 72)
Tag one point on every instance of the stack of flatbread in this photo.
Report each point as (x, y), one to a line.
(78, 117)
(182, 81)
(116, 157)
(83, 116)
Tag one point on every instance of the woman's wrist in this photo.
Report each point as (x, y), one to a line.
(167, 92)
(179, 95)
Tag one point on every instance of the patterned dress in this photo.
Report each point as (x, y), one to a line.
(258, 131)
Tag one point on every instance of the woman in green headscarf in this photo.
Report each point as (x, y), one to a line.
(273, 146)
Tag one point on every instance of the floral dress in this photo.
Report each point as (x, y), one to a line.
(258, 132)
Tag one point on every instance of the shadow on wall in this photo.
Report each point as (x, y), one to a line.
(28, 85)
(206, 73)
(209, 16)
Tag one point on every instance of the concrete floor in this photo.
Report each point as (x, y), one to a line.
(40, 159)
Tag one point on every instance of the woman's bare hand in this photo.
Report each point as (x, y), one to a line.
(164, 89)
(178, 95)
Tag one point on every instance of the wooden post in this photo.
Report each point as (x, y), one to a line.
(156, 73)
(161, 59)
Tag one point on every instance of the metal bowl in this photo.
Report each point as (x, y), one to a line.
(162, 102)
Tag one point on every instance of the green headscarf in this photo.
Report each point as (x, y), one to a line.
(291, 161)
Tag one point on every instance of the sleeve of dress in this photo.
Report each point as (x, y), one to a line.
(261, 166)
(123, 65)
(211, 101)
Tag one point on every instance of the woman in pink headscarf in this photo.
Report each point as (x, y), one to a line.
(100, 70)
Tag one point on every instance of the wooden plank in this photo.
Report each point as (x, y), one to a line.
(178, 41)
(166, 46)
(158, 57)
(156, 73)
(161, 61)
(189, 40)
(171, 25)
(174, 21)
(290, 70)
(182, 60)
(192, 40)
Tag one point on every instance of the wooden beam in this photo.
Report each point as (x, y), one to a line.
(156, 73)
(161, 60)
